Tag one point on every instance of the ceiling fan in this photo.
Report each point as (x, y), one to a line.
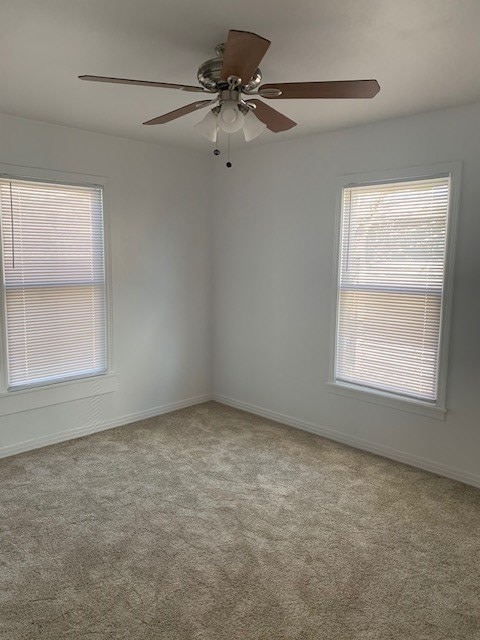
(234, 76)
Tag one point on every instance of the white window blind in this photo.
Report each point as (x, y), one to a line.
(392, 262)
(54, 281)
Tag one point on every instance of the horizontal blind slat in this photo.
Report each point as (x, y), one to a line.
(391, 273)
(53, 253)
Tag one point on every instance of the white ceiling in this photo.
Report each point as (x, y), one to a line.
(424, 53)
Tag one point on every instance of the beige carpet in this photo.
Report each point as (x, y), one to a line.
(209, 523)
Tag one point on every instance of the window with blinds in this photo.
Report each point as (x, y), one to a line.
(54, 281)
(390, 289)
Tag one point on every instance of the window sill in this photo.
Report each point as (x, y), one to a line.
(38, 397)
(387, 400)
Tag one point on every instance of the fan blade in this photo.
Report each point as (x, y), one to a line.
(178, 113)
(334, 89)
(242, 55)
(143, 83)
(274, 120)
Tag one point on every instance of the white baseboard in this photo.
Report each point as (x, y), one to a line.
(71, 434)
(358, 443)
(331, 434)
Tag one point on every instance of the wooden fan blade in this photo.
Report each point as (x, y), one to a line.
(143, 83)
(274, 120)
(334, 89)
(178, 113)
(242, 55)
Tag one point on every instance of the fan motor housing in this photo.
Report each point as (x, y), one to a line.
(210, 72)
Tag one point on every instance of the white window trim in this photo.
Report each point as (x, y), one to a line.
(17, 400)
(438, 409)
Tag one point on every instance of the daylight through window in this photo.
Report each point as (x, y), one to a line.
(391, 284)
(54, 281)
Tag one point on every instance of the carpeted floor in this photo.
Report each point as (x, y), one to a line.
(210, 523)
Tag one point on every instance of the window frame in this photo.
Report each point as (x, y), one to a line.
(438, 409)
(39, 395)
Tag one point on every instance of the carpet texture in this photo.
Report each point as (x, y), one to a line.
(210, 523)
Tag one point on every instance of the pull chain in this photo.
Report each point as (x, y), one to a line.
(229, 164)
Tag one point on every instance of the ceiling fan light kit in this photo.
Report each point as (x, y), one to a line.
(253, 127)
(208, 127)
(229, 122)
(235, 77)
(232, 114)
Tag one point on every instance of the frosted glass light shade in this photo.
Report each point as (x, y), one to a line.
(252, 127)
(208, 127)
(230, 118)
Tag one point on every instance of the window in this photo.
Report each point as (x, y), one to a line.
(391, 288)
(54, 295)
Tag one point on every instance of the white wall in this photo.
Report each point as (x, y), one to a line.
(272, 227)
(273, 260)
(158, 212)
